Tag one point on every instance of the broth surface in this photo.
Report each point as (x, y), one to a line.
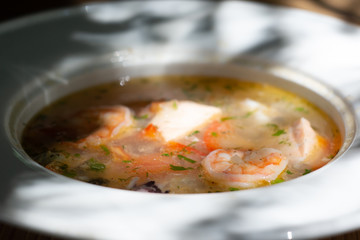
(182, 134)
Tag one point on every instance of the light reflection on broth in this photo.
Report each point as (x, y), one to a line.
(182, 134)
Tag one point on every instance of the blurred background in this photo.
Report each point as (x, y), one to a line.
(347, 10)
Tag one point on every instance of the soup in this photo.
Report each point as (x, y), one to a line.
(182, 134)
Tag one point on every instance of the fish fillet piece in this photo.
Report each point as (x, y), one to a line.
(260, 113)
(304, 136)
(175, 119)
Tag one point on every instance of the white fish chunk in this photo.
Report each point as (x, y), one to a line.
(260, 113)
(175, 119)
(303, 141)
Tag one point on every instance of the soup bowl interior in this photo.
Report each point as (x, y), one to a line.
(42, 92)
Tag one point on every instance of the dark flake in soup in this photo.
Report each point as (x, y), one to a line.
(182, 134)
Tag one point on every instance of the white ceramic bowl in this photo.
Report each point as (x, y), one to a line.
(46, 56)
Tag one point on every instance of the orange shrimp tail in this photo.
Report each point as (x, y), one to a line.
(213, 133)
(177, 147)
(151, 131)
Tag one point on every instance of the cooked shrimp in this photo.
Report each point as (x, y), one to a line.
(244, 169)
(113, 120)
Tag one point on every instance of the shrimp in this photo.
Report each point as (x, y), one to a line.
(113, 120)
(243, 169)
(222, 134)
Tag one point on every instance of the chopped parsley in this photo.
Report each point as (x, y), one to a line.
(248, 114)
(68, 173)
(272, 125)
(301, 109)
(214, 134)
(145, 116)
(307, 171)
(186, 158)
(165, 154)
(179, 168)
(227, 118)
(289, 172)
(95, 165)
(278, 180)
(279, 132)
(127, 161)
(106, 150)
(285, 142)
(192, 143)
(77, 155)
(233, 189)
(193, 133)
(174, 105)
(124, 179)
(66, 154)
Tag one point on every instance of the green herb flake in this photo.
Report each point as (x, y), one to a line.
(70, 173)
(174, 105)
(331, 156)
(124, 179)
(208, 88)
(301, 109)
(285, 142)
(95, 165)
(227, 118)
(179, 168)
(248, 114)
(127, 161)
(77, 155)
(105, 149)
(186, 158)
(289, 172)
(192, 143)
(66, 154)
(142, 117)
(234, 189)
(165, 155)
(63, 166)
(279, 132)
(214, 134)
(307, 171)
(193, 133)
(278, 180)
(272, 125)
